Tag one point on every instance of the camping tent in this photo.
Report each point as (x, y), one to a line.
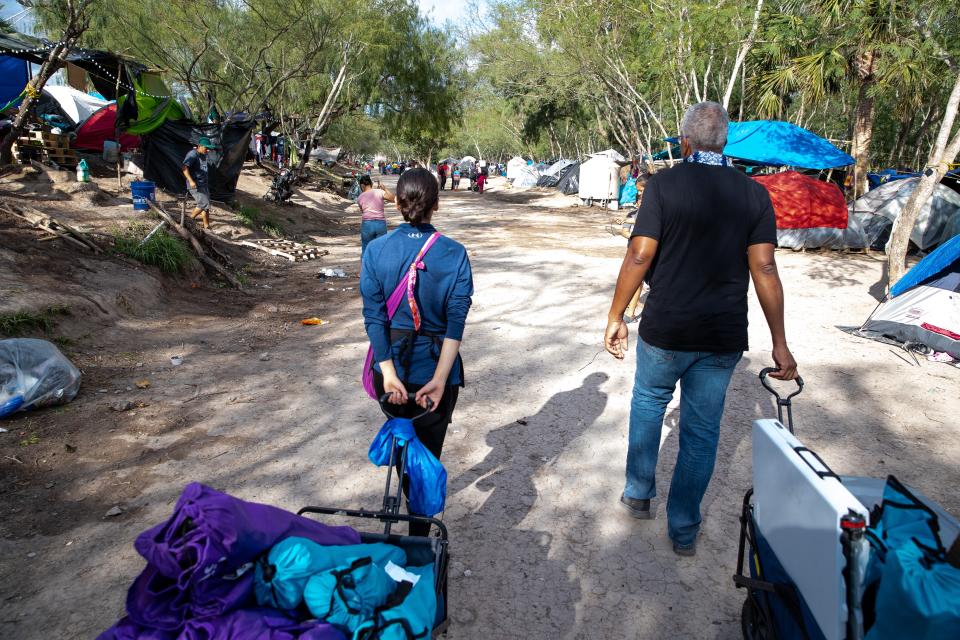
(165, 148)
(600, 177)
(876, 210)
(810, 213)
(526, 177)
(14, 75)
(612, 155)
(551, 175)
(77, 105)
(467, 163)
(781, 144)
(513, 167)
(100, 127)
(569, 180)
(924, 305)
(153, 104)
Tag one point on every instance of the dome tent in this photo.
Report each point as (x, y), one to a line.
(600, 176)
(924, 305)
(877, 210)
(514, 166)
(99, 128)
(810, 213)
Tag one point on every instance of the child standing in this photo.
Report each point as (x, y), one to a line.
(455, 181)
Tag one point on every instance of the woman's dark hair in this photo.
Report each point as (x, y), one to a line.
(417, 194)
(366, 181)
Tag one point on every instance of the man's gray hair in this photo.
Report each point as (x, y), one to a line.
(705, 126)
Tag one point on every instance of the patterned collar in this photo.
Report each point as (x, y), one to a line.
(708, 157)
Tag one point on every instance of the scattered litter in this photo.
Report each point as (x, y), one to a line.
(331, 273)
(70, 448)
(2, 430)
(313, 321)
(32, 554)
(50, 485)
(101, 391)
(114, 511)
(522, 421)
(69, 542)
(264, 357)
(273, 308)
(467, 573)
(176, 360)
(129, 388)
(142, 384)
(139, 364)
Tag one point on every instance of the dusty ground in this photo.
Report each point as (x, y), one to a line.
(535, 457)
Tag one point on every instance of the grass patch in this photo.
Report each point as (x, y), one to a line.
(250, 216)
(20, 322)
(162, 250)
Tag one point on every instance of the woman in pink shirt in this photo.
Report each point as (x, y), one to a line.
(371, 203)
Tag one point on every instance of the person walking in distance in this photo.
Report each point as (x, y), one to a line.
(372, 209)
(195, 168)
(703, 229)
(442, 170)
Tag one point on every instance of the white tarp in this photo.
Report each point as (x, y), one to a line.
(877, 210)
(526, 177)
(514, 166)
(76, 104)
(611, 154)
(556, 167)
(325, 154)
(600, 178)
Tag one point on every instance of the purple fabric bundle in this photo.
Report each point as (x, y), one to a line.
(200, 563)
(245, 624)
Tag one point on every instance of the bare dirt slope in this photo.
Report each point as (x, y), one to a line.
(270, 410)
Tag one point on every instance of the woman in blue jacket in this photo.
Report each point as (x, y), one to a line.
(422, 363)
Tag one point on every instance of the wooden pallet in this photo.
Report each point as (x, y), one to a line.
(292, 251)
(46, 147)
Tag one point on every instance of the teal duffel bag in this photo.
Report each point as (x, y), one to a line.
(408, 614)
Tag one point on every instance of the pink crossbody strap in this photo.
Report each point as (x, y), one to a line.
(405, 289)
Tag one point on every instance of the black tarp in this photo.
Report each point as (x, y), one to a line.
(102, 66)
(165, 148)
(569, 182)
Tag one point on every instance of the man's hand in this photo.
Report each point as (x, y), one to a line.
(393, 386)
(615, 339)
(193, 185)
(786, 365)
(433, 390)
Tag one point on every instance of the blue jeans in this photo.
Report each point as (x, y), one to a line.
(371, 230)
(703, 381)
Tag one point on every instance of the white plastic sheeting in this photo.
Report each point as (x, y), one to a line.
(600, 178)
(514, 166)
(526, 177)
(77, 105)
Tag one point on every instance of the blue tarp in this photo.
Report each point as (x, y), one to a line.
(14, 75)
(935, 263)
(778, 144)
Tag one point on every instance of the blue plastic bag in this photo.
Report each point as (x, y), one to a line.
(919, 592)
(282, 575)
(428, 478)
(628, 193)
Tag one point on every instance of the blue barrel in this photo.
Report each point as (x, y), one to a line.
(143, 191)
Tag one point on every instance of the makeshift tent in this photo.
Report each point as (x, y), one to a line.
(102, 67)
(876, 211)
(551, 175)
(781, 144)
(888, 175)
(149, 106)
(569, 182)
(14, 75)
(325, 154)
(600, 177)
(526, 177)
(77, 105)
(165, 148)
(924, 305)
(612, 155)
(467, 163)
(99, 128)
(513, 167)
(810, 213)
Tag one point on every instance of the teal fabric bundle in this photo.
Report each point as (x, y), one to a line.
(409, 614)
(348, 596)
(282, 575)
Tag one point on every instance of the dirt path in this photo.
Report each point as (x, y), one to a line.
(271, 411)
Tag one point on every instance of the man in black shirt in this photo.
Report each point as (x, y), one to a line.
(702, 229)
(195, 170)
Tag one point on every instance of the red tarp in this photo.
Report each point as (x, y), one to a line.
(802, 202)
(102, 126)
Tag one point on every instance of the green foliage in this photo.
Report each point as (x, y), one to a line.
(252, 217)
(25, 321)
(162, 250)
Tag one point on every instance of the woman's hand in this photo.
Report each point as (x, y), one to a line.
(393, 386)
(433, 391)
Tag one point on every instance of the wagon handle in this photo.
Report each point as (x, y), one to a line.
(384, 403)
(781, 401)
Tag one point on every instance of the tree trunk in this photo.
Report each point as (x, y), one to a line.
(742, 55)
(863, 122)
(942, 154)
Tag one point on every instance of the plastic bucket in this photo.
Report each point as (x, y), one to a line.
(142, 192)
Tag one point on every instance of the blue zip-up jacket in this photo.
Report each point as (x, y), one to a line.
(443, 294)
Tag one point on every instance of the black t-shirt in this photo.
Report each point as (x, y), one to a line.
(196, 163)
(704, 218)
